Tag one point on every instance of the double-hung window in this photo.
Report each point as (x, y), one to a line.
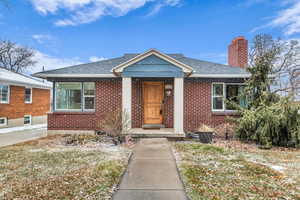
(28, 95)
(227, 91)
(75, 96)
(218, 96)
(4, 93)
(89, 95)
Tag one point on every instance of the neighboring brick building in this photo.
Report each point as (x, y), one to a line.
(168, 93)
(23, 100)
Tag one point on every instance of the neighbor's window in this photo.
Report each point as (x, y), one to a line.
(89, 95)
(28, 95)
(3, 121)
(230, 92)
(75, 96)
(4, 94)
(27, 119)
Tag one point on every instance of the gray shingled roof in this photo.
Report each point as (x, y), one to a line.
(105, 66)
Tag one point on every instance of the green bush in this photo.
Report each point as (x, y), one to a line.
(271, 124)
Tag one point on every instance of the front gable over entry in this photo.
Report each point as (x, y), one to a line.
(153, 64)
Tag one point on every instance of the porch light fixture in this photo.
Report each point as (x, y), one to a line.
(168, 89)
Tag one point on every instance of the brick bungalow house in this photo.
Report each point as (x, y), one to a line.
(23, 100)
(170, 93)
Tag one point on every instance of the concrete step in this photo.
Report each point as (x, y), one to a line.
(153, 126)
(157, 135)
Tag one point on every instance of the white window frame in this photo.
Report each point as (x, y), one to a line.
(8, 95)
(212, 96)
(30, 118)
(224, 96)
(55, 101)
(5, 121)
(83, 96)
(28, 102)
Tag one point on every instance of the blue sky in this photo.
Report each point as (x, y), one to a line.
(67, 32)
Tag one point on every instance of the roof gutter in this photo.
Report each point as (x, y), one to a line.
(74, 75)
(220, 75)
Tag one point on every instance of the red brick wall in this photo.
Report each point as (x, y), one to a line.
(169, 108)
(197, 104)
(238, 52)
(17, 107)
(108, 99)
(137, 105)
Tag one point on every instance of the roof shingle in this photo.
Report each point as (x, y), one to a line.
(105, 66)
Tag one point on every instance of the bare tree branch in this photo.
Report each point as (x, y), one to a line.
(14, 57)
(279, 58)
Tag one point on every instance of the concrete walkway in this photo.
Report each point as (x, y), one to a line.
(151, 174)
(15, 137)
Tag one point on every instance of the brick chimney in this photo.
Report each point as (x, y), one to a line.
(238, 52)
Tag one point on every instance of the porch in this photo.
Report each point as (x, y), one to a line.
(154, 106)
(152, 94)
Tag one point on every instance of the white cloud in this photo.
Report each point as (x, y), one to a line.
(40, 38)
(87, 11)
(289, 18)
(50, 62)
(159, 5)
(95, 58)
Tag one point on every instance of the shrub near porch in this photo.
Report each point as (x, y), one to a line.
(48, 169)
(213, 172)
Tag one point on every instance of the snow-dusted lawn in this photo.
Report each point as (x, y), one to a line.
(47, 169)
(231, 170)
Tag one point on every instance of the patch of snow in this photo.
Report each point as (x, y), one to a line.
(110, 148)
(12, 77)
(277, 167)
(22, 128)
(274, 167)
(35, 150)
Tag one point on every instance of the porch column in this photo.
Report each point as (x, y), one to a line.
(178, 105)
(126, 97)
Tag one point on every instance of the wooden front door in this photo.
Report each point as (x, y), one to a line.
(153, 95)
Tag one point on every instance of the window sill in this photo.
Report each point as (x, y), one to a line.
(72, 112)
(225, 113)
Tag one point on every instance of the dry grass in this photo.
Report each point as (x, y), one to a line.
(47, 169)
(232, 170)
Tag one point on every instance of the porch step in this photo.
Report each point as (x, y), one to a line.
(155, 133)
(153, 126)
